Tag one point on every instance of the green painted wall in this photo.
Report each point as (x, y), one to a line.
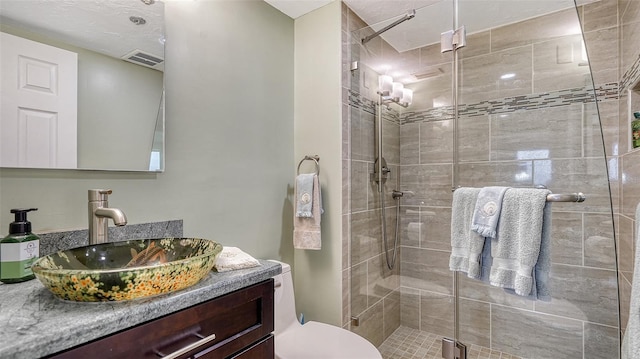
(318, 130)
(229, 79)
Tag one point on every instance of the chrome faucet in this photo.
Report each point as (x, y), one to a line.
(99, 214)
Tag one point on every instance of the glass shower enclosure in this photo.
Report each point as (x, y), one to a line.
(514, 105)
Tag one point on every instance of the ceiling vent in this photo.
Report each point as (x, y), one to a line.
(428, 73)
(144, 59)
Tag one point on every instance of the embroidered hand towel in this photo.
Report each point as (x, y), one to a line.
(487, 211)
(304, 195)
(306, 230)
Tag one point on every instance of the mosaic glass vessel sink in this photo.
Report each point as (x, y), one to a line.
(127, 270)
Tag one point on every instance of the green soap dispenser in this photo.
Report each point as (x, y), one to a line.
(19, 249)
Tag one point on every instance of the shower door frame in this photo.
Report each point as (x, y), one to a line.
(459, 283)
(455, 344)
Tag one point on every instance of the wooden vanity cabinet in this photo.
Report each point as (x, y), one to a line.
(236, 325)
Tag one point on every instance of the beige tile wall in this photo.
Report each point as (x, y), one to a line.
(373, 290)
(628, 175)
(500, 149)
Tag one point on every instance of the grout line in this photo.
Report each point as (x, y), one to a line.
(583, 329)
(583, 238)
(583, 129)
(490, 325)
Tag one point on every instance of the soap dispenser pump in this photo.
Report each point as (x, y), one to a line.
(19, 249)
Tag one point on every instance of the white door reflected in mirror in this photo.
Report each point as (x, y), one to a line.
(120, 97)
(38, 126)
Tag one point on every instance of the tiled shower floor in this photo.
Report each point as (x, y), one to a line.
(408, 343)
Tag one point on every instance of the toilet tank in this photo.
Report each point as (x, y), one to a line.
(285, 305)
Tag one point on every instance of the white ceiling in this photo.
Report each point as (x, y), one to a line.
(436, 16)
(432, 16)
(104, 26)
(99, 25)
(297, 8)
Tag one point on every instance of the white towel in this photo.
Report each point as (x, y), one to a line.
(631, 340)
(463, 240)
(234, 258)
(542, 269)
(480, 268)
(487, 211)
(520, 253)
(306, 230)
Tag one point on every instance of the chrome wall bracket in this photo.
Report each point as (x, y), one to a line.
(453, 350)
(453, 39)
(409, 15)
(380, 172)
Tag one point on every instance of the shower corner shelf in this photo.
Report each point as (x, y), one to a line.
(633, 105)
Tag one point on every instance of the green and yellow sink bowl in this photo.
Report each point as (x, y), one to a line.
(127, 270)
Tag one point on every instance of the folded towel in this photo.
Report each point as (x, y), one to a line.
(234, 258)
(462, 238)
(542, 270)
(487, 211)
(631, 339)
(540, 287)
(479, 256)
(306, 230)
(304, 195)
(520, 261)
(481, 268)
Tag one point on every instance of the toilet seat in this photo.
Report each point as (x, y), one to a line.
(322, 341)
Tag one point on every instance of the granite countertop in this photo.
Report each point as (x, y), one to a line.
(33, 323)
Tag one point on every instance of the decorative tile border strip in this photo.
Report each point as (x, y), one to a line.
(361, 102)
(610, 91)
(631, 75)
(517, 103)
(432, 114)
(369, 106)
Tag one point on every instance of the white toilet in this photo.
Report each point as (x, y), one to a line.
(313, 339)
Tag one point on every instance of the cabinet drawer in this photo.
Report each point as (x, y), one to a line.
(238, 320)
(261, 350)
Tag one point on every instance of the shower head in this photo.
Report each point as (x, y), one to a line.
(408, 16)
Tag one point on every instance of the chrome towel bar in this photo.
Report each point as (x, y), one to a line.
(567, 197)
(558, 197)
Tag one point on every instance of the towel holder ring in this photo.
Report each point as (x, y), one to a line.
(314, 158)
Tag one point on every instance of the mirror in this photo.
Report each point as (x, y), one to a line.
(120, 87)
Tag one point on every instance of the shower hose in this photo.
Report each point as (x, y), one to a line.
(383, 220)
